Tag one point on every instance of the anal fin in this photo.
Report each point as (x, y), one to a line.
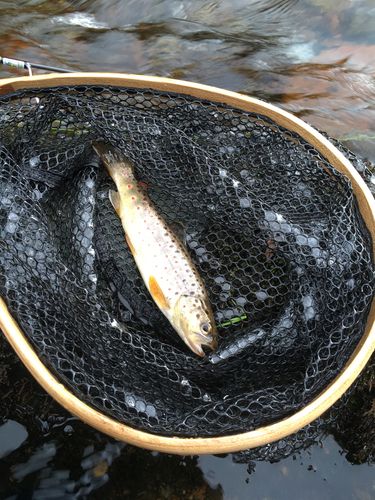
(114, 198)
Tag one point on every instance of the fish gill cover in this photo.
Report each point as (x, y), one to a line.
(273, 228)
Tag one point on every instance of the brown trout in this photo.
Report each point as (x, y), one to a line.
(163, 261)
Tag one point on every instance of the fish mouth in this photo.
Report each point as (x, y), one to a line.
(196, 343)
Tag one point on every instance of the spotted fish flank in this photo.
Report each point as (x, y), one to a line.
(163, 261)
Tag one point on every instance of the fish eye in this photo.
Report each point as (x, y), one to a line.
(206, 328)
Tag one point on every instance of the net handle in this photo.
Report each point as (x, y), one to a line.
(215, 445)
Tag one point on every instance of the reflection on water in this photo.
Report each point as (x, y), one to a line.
(321, 473)
(12, 435)
(96, 468)
(52, 482)
(315, 58)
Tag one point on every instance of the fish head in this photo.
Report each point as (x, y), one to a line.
(194, 322)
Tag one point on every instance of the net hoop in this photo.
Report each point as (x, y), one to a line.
(216, 445)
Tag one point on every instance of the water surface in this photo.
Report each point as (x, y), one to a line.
(314, 58)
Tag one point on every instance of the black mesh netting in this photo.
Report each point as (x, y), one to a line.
(272, 227)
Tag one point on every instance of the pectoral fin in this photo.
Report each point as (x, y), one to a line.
(157, 293)
(114, 198)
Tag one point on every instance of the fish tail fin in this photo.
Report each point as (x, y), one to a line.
(114, 160)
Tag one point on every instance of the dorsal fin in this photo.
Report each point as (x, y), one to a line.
(179, 230)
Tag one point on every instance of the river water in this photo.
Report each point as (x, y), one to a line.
(314, 58)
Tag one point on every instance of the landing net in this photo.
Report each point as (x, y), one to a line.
(273, 228)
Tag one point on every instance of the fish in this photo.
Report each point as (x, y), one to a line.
(162, 259)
